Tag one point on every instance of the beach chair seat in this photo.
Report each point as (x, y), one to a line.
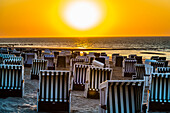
(79, 74)
(51, 64)
(128, 67)
(159, 95)
(38, 64)
(121, 96)
(54, 91)
(95, 76)
(28, 59)
(11, 80)
(61, 61)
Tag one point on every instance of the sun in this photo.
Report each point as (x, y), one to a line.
(82, 15)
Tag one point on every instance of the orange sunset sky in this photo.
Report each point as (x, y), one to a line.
(84, 18)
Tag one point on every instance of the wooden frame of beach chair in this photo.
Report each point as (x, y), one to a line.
(159, 95)
(28, 59)
(148, 72)
(128, 67)
(51, 64)
(11, 80)
(37, 65)
(54, 91)
(157, 64)
(121, 96)
(79, 75)
(95, 76)
(163, 70)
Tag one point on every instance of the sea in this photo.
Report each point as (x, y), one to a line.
(143, 46)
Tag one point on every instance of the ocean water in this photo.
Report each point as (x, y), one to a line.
(137, 45)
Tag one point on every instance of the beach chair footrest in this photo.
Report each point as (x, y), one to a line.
(93, 94)
(79, 87)
(159, 106)
(27, 65)
(10, 93)
(53, 106)
(128, 74)
(33, 76)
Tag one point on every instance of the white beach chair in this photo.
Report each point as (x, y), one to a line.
(128, 67)
(159, 95)
(121, 96)
(79, 74)
(37, 65)
(95, 76)
(54, 91)
(11, 80)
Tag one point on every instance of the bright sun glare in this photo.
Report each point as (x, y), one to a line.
(82, 15)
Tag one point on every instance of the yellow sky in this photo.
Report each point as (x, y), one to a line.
(44, 18)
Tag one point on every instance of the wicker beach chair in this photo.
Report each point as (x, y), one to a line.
(139, 72)
(54, 94)
(79, 74)
(75, 60)
(95, 76)
(128, 67)
(28, 59)
(38, 64)
(159, 95)
(51, 64)
(121, 96)
(11, 80)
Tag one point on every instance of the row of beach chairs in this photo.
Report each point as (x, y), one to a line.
(115, 95)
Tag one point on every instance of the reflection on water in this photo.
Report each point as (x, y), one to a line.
(83, 43)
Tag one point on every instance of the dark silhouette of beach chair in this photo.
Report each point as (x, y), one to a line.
(95, 76)
(159, 95)
(79, 74)
(51, 64)
(28, 59)
(129, 67)
(139, 59)
(54, 91)
(121, 96)
(114, 58)
(38, 64)
(11, 80)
